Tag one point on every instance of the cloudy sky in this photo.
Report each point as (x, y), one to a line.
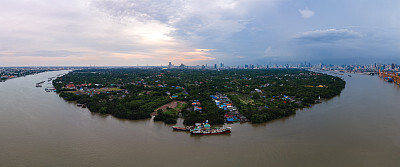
(195, 32)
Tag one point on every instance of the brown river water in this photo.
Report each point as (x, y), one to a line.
(361, 127)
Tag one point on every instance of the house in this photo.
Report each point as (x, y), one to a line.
(196, 108)
(196, 104)
(70, 86)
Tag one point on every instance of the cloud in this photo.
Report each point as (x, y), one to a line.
(277, 55)
(187, 56)
(269, 52)
(131, 56)
(115, 31)
(49, 53)
(204, 50)
(130, 32)
(190, 20)
(305, 13)
(328, 35)
(192, 58)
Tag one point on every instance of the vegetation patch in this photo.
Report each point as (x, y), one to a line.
(260, 95)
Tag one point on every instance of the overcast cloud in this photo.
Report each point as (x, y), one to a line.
(329, 35)
(234, 32)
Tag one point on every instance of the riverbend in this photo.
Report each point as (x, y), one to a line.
(358, 128)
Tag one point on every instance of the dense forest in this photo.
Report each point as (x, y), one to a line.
(260, 95)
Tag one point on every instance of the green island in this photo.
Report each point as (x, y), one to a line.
(219, 96)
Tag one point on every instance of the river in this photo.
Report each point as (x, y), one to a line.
(361, 127)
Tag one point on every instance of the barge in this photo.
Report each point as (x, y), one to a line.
(205, 129)
(181, 128)
(211, 131)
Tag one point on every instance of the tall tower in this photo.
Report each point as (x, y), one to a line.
(170, 65)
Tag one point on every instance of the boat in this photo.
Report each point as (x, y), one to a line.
(187, 128)
(211, 131)
(388, 79)
(39, 84)
(349, 75)
(50, 89)
(205, 129)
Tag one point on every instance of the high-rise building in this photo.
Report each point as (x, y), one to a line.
(170, 65)
(182, 66)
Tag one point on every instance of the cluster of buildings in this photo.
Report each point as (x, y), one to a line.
(5, 77)
(374, 67)
(196, 106)
(14, 72)
(171, 66)
(231, 114)
(223, 66)
(288, 98)
(86, 89)
(78, 86)
(358, 68)
(93, 91)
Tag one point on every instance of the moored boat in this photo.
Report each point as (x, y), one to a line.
(388, 79)
(212, 131)
(181, 128)
(205, 129)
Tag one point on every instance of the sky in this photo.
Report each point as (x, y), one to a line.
(197, 32)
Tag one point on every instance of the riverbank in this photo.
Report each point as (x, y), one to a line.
(15, 72)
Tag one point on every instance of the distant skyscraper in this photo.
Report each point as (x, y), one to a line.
(215, 66)
(170, 65)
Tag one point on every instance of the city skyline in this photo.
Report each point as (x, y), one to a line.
(236, 32)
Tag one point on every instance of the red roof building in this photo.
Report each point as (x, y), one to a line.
(70, 86)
